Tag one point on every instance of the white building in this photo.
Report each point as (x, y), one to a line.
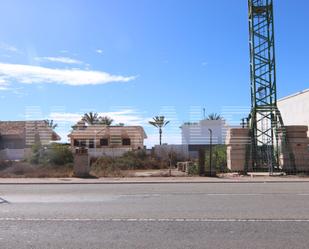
(198, 133)
(295, 108)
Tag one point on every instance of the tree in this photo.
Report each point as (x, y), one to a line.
(159, 122)
(91, 118)
(105, 120)
(214, 116)
(50, 124)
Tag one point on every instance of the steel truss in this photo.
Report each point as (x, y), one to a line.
(265, 118)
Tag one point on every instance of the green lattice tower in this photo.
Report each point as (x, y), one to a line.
(265, 116)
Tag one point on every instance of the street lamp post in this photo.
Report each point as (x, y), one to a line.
(210, 152)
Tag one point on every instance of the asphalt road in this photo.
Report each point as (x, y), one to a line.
(167, 216)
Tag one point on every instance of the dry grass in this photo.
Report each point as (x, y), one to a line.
(26, 170)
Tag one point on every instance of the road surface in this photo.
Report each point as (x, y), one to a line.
(167, 216)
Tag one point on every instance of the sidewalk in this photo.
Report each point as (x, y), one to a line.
(256, 178)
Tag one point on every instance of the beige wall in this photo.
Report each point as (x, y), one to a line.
(113, 143)
(114, 134)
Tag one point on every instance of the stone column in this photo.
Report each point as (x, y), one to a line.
(81, 163)
(295, 155)
(237, 141)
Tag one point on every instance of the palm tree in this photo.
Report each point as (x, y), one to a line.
(91, 118)
(50, 123)
(214, 116)
(105, 120)
(159, 122)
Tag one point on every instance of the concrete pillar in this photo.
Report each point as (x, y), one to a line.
(237, 140)
(296, 154)
(81, 163)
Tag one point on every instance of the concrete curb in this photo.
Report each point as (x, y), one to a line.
(144, 183)
(74, 181)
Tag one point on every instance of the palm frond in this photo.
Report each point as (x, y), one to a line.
(90, 118)
(105, 120)
(214, 116)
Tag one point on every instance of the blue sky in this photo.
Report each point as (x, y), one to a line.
(133, 59)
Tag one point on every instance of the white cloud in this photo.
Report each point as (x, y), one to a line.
(65, 60)
(127, 116)
(65, 117)
(99, 51)
(3, 85)
(8, 47)
(3, 88)
(28, 74)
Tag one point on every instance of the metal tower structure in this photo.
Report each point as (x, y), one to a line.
(265, 118)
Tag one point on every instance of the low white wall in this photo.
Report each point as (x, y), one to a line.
(111, 152)
(14, 154)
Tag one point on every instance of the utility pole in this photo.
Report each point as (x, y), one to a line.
(243, 123)
(201, 161)
(210, 152)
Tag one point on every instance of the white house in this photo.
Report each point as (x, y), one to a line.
(295, 108)
(197, 135)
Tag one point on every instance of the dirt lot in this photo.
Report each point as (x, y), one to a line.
(26, 170)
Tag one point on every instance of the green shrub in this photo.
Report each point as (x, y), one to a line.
(105, 166)
(193, 170)
(55, 154)
(59, 154)
(36, 153)
(219, 160)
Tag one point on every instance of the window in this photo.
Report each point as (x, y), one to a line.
(104, 142)
(79, 143)
(82, 143)
(91, 143)
(76, 142)
(126, 141)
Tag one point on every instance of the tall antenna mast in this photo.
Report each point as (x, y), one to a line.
(265, 116)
